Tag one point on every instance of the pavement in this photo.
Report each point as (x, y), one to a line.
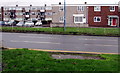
(67, 43)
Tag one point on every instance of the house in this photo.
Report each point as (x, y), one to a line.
(25, 13)
(86, 15)
(76, 15)
(103, 15)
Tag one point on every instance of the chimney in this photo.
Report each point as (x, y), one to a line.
(16, 5)
(119, 6)
(85, 2)
(30, 5)
(45, 5)
(59, 3)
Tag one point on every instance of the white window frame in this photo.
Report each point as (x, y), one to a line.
(112, 10)
(19, 13)
(78, 19)
(95, 20)
(18, 8)
(61, 8)
(80, 8)
(97, 8)
(61, 19)
(48, 13)
(48, 8)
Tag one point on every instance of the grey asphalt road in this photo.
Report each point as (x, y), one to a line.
(61, 42)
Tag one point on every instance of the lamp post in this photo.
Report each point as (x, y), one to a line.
(30, 13)
(64, 15)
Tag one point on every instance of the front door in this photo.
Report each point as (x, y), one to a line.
(114, 22)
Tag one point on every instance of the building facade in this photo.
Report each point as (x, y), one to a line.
(76, 15)
(25, 13)
(103, 15)
(84, 15)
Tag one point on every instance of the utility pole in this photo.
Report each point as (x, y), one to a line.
(64, 15)
(119, 13)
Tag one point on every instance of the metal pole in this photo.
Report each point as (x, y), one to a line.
(64, 15)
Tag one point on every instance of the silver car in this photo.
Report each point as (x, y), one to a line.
(38, 23)
(29, 24)
(20, 24)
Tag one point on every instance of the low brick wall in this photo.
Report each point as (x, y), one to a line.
(69, 25)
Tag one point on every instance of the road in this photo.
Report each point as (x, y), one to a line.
(61, 42)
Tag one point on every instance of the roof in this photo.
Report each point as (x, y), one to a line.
(86, 5)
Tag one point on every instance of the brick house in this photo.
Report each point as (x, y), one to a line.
(103, 15)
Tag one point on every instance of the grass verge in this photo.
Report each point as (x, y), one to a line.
(29, 60)
(69, 31)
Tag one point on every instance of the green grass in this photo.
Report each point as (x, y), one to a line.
(28, 60)
(71, 31)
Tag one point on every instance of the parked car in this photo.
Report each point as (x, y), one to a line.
(38, 23)
(20, 24)
(10, 23)
(29, 24)
(2, 23)
(6, 23)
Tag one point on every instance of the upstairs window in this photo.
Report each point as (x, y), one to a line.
(80, 8)
(97, 19)
(112, 8)
(97, 8)
(61, 19)
(48, 13)
(61, 8)
(18, 8)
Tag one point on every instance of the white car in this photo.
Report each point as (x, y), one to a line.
(29, 24)
(20, 24)
(38, 23)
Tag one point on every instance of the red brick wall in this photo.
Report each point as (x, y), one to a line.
(105, 11)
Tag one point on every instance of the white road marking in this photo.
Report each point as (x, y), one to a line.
(36, 37)
(34, 42)
(97, 39)
(101, 45)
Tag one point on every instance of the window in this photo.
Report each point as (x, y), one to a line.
(6, 9)
(112, 8)
(61, 19)
(97, 8)
(12, 8)
(78, 19)
(27, 9)
(48, 8)
(61, 8)
(6, 13)
(34, 8)
(42, 8)
(19, 19)
(18, 8)
(6, 19)
(19, 13)
(33, 13)
(48, 13)
(80, 8)
(97, 19)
